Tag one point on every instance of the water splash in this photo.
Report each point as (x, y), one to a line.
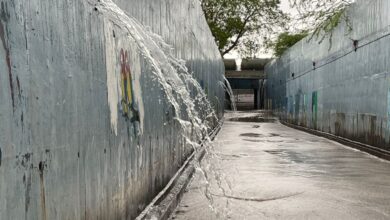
(191, 108)
(168, 71)
(228, 88)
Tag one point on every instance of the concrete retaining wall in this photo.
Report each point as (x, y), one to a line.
(340, 87)
(72, 146)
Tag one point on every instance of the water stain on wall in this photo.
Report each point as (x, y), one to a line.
(4, 17)
(314, 108)
(41, 167)
(27, 184)
(339, 124)
(23, 161)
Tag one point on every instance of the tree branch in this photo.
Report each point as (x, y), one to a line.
(239, 36)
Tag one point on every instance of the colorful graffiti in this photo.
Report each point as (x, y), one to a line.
(127, 101)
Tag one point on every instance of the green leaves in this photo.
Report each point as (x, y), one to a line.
(235, 22)
(323, 16)
(243, 25)
(285, 41)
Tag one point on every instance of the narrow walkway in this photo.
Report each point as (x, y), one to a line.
(269, 171)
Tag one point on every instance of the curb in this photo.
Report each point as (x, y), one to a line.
(164, 204)
(383, 154)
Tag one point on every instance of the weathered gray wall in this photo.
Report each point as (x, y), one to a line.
(182, 24)
(64, 152)
(351, 87)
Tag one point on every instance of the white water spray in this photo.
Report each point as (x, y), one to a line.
(191, 107)
(226, 85)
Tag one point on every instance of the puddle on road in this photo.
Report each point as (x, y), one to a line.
(257, 135)
(255, 141)
(251, 135)
(262, 141)
(259, 119)
(274, 135)
(288, 155)
(233, 155)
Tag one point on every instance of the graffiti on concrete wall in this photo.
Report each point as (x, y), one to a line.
(127, 102)
(123, 80)
(353, 98)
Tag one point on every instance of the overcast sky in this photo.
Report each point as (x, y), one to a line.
(285, 6)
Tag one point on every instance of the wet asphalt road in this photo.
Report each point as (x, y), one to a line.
(269, 171)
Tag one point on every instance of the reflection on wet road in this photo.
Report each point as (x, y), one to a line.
(269, 171)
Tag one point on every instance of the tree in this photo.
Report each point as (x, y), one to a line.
(244, 25)
(249, 48)
(317, 18)
(236, 23)
(285, 41)
(321, 16)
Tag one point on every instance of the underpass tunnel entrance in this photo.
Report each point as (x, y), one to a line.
(247, 82)
(248, 94)
(246, 99)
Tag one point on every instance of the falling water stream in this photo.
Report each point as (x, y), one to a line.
(192, 109)
(226, 85)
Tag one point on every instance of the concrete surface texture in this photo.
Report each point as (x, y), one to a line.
(268, 171)
(340, 86)
(181, 23)
(87, 130)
